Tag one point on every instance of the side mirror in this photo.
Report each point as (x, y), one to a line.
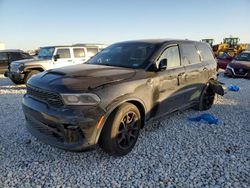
(55, 57)
(163, 64)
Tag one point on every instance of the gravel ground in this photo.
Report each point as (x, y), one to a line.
(173, 152)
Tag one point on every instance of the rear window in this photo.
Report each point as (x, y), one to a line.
(92, 51)
(79, 52)
(190, 54)
(205, 52)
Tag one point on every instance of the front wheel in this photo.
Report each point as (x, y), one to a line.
(28, 75)
(17, 82)
(121, 130)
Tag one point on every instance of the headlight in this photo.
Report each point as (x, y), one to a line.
(80, 99)
(229, 67)
(20, 67)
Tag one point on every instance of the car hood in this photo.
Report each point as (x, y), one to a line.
(240, 64)
(80, 77)
(29, 61)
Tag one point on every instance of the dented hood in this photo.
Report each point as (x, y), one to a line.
(80, 77)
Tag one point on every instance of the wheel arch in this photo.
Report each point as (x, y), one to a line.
(39, 68)
(137, 102)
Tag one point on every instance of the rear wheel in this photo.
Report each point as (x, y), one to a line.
(206, 99)
(121, 130)
(29, 75)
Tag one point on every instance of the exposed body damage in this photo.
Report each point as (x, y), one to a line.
(151, 91)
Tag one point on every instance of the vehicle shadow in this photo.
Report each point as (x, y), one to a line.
(6, 84)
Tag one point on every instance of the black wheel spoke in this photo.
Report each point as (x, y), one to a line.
(122, 138)
(128, 130)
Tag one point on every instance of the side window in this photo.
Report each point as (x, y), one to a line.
(79, 52)
(92, 51)
(173, 57)
(205, 52)
(25, 55)
(15, 56)
(190, 54)
(63, 53)
(3, 56)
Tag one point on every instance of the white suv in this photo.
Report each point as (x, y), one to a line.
(52, 57)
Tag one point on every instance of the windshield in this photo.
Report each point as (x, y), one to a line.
(46, 53)
(243, 57)
(224, 55)
(129, 55)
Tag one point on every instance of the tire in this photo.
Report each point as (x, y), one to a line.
(28, 75)
(121, 131)
(206, 99)
(17, 82)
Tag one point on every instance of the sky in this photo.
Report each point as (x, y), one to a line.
(29, 24)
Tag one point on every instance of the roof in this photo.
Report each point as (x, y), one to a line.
(246, 51)
(159, 41)
(77, 45)
(11, 50)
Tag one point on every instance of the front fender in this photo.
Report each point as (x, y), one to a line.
(112, 107)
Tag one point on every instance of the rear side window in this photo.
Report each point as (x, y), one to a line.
(205, 52)
(3, 56)
(173, 57)
(63, 53)
(25, 55)
(92, 51)
(190, 54)
(15, 56)
(79, 52)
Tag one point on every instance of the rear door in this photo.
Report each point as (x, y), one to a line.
(79, 55)
(194, 68)
(207, 59)
(3, 61)
(64, 57)
(170, 87)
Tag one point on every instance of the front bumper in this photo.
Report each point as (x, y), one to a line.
(69, 128)
(231, 72)
(15, 76)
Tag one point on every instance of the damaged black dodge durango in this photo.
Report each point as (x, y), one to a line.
(109, 99)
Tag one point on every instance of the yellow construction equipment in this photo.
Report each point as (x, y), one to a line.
(231, 46)
(209, 41)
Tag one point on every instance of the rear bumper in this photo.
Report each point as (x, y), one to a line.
(67, 128)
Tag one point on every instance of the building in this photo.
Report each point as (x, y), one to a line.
(2, 46)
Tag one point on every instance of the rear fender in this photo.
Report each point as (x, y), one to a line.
(216, 86)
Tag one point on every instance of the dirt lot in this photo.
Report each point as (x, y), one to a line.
(174, 152)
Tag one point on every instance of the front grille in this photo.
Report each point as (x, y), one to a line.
(13, 67)
(50, 98)
(240, 71)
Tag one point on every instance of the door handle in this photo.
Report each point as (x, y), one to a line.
(205, 68)
(178, 78)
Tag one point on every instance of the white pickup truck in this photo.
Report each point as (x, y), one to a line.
(52, 57)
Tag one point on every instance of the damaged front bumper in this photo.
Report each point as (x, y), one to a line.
(67, 128)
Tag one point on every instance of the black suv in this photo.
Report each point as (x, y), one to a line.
(121, 89)
(7, 56)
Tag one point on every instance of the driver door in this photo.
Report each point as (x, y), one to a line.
(170, 82)
(64, 58)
